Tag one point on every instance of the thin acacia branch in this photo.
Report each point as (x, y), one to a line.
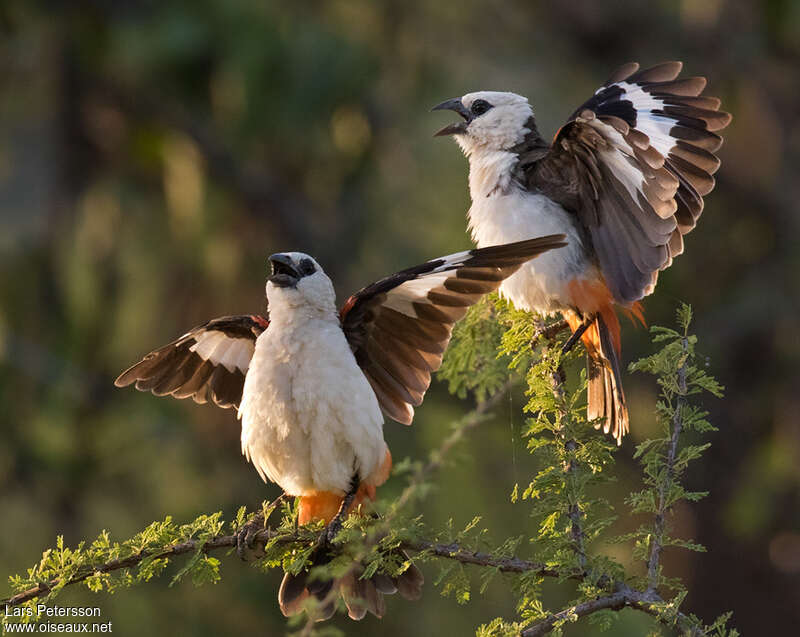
(181, 548)
(263, 535)
(260, 539)
(544, 626)
(437, 458)
(550, 331)
(646, 602)
(478, 558)
(666, 484)
(574, 512)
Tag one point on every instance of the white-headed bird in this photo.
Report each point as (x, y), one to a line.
(624, 180)
(312, 383)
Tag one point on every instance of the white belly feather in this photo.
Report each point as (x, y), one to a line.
(541, 284)
(310, 420)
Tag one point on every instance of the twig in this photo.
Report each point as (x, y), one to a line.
(549, 332)
(445, 551)
(477, 558)
(646, 601)
(436, 460)
(544, 626)
(664, 487)
(574, 512)
(181, 548)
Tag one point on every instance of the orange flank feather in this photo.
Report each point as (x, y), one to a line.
(324, 505)
(319, 505)
(635, 313)
(592, 296)
(592, 300)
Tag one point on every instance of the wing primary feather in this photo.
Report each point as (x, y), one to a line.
(208, 362)
(399, 327)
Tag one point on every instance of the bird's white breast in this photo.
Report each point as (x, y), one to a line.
(310, 420)
(515, 215)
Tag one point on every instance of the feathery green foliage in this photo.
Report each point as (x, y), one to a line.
(564, 497)
(473, 361)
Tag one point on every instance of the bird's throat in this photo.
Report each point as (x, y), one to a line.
(490, 173)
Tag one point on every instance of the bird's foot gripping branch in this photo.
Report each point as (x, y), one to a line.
(574, 464)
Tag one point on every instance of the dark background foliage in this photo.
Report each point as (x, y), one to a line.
(152, 154)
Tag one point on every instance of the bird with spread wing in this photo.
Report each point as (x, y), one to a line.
(624, 180)
(311, 384)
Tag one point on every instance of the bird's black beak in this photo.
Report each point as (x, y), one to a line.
(459, 128)
(284, 271)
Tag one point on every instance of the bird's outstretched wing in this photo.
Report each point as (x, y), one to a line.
(634, 162)
(207, 363)
(399, 327)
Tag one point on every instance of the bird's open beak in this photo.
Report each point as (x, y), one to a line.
(284, 272)
(459, 128)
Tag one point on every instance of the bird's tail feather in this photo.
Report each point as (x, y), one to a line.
(606, 399)
(360, 595)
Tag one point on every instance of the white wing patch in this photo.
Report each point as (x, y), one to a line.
(402, 297)
(656, 127)
(419, 287)
(630, 177)
(642, 100)
(453, 260)
(220, 349)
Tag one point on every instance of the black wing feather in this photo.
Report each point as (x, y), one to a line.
(207, 363)
(647, 131)
(399, 327)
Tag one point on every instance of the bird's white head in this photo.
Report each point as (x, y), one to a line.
(493, 121)
(298, 282)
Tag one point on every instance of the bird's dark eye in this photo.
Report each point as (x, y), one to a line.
(479, 107)
(306, 267)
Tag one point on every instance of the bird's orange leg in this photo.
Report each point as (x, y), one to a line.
(332, 508)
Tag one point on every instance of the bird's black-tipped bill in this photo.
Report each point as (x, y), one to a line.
(459, 128)
(284, 271)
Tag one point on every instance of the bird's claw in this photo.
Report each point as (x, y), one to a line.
(332, 530)
(247, 548)
(336, 524)
(575, 336)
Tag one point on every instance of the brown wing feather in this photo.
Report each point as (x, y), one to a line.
(208, 363)
(399, 327)
(634, 163)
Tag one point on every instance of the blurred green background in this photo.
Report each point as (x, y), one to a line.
(152, 154)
